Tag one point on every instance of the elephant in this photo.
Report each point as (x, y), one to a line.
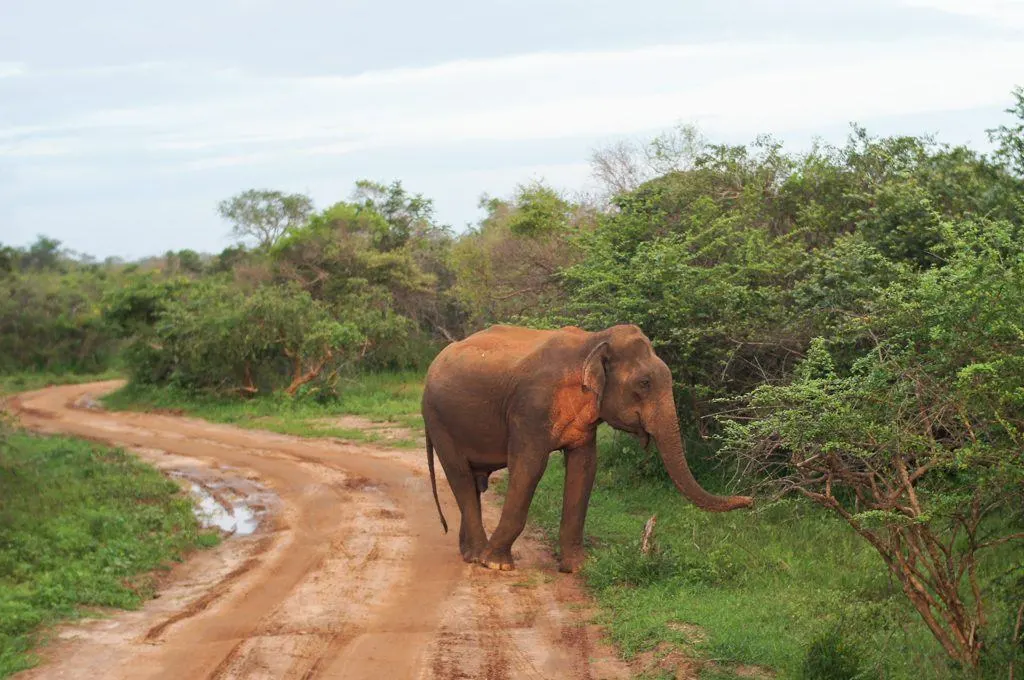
(508, 396)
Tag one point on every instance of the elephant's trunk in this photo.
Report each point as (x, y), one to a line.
(665, 429)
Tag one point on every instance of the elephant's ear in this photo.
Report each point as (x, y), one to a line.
(593, 369)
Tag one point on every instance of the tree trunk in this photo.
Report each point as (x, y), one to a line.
(300, 377)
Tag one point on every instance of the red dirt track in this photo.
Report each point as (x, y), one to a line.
(348, 576)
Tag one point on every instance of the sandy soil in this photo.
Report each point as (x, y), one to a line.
(348, 574)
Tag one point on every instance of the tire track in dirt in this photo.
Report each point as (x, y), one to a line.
(154, 633)
(350, 576)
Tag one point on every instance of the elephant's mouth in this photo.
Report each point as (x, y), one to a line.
(641, 432)
(638, 431)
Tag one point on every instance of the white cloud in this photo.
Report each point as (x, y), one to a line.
(227, 161)
(42, 147)
(1006, 13)
(735, 89)
(10, 69)
(727, 87)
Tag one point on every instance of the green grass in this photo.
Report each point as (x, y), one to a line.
(23, 382)
(385, 398)
(81, 526)
(759, 585)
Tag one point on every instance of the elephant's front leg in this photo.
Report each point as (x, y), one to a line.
(580, 468)
(525, 468)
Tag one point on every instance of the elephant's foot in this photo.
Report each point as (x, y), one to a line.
(572, 561)
(498, 560)
(471, 548)
(471, 553)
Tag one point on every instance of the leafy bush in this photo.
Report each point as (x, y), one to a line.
(734, 264)
(509, 267)
(916, 441)
(218, 336)
(53, 321)
(830, 656)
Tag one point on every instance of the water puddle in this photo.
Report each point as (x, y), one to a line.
(240, 519)
(235, 508)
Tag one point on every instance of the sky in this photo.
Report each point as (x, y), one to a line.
(123, 123)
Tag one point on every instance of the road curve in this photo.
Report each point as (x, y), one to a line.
(349, 575)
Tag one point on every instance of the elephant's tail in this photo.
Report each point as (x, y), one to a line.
(433, 480)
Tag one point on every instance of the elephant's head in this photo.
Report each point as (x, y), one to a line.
(634, 391)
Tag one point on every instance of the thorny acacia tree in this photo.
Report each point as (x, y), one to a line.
(918, 443)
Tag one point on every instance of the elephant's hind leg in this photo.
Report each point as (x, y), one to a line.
(472, 538)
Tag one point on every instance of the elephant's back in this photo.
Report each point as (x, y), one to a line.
(483, 364)
(467, 362)
(492, 350)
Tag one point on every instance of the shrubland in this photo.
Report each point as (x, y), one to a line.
(844, 325)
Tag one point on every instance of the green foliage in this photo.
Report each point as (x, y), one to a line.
(354, 284)
(337, 259)
(51, 317)
(80, 525)
(1010, 138)
(832, 657)
(733, 264)
(221, 337)
(509, 268)
(45, 254)
(139, 302)
(263, 215)
(402, 217)
(916, 440)
(539, 210)
(8, 260)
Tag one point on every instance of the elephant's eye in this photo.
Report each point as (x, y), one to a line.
(644, 383)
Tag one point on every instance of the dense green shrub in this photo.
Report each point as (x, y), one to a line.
(916, 439)
(831, 656)
(215, 335)
(53, 321)
(734, 265)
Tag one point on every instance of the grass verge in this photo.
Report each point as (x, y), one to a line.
(81, 527)
(749, 591)
(23, 382)
(390, 400)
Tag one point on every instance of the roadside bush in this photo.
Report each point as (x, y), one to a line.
(831, 656)
(220, 337)
(52, 321)
(916, 441)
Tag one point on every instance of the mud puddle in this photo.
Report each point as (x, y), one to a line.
(237, 507)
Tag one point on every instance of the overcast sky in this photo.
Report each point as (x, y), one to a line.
(122, 123)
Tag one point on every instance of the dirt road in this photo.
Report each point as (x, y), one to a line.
(347, 576)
